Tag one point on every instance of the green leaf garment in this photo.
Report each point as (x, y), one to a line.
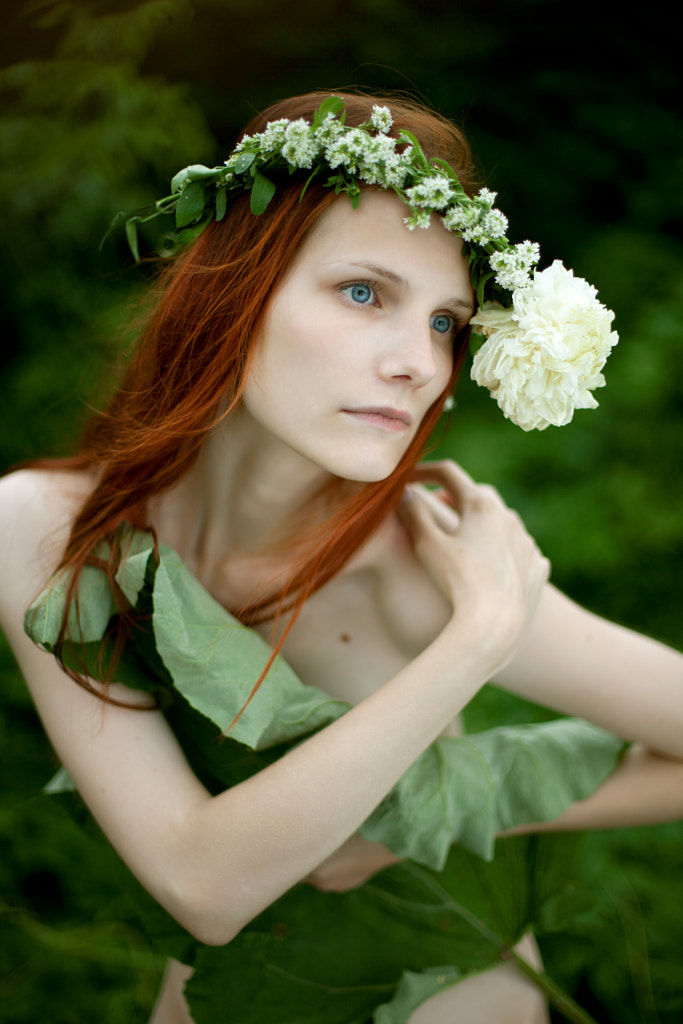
(452, 907)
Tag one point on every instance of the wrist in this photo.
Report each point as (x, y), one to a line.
(478, 644)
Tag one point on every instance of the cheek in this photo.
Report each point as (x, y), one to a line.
(445, 361)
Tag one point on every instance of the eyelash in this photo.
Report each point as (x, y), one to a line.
(375, 289)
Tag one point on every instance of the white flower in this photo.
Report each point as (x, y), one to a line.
(475, 220)
(418, 219)
(382, 165)
(435, 192)
(487, 197)
(272, 138)
(495, 224)
(330, 129)
(381, 119)
(300, 147)
(349, 149)
(244, 141)
(543, 357)
(395, 172)
(513, 267)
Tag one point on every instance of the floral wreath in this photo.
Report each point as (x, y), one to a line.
(542, 337)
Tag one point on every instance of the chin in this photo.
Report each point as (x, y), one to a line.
(370, 472)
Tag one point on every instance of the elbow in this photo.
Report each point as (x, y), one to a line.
(207, 926)
(209, 923)
(211, 934)
(208, 919)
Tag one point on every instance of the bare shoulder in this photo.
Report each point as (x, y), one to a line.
(37, 508)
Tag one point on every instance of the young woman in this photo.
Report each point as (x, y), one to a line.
(261, 457)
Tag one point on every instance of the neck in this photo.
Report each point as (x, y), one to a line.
(247, 499)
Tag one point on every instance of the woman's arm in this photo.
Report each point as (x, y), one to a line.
(216, 862)
(579, 664)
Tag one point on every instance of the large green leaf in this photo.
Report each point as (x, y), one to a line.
(325, 958)
(202, 665)
(88, 617)
(469, 789)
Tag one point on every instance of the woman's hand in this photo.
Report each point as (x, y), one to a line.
(478, 553)
(351, 865)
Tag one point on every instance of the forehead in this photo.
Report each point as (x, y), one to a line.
(375, 233)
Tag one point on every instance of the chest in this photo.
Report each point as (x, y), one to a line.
(366, 624)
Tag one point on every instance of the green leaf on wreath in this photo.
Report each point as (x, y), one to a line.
(261, 194)
(190, 204)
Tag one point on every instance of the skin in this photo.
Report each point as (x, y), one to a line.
(448, 594)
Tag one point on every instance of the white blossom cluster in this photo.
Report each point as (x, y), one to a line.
(476, 219)
(382, 165)
(513, 266)
(418, 219)
(350, 151)
(381, 119)
(435, 192)
(301, 146)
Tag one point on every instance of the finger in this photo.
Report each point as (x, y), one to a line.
(417, 516)
(453, 478)
(441, 508)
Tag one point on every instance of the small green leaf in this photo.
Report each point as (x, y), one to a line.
(438, 162)
(191, 204)
(221, 202)
(481, 287)
(418, 155)
(132, 236)
(332, 105)
(196, 172)
(244, 162)
(261, 194)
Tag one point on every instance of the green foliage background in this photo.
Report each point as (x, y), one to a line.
(575, 118)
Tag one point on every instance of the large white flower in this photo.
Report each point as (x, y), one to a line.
(543, 356)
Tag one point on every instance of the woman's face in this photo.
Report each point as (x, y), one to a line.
(358, 340)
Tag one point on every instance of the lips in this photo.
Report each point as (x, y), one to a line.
(383, 416)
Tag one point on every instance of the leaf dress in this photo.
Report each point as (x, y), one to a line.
(375, 953)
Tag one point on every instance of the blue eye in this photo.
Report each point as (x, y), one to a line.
(360, 293)
(442, 323)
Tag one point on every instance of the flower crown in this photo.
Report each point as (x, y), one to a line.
(542, 337)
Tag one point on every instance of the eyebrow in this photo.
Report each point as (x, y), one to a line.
(390, 275)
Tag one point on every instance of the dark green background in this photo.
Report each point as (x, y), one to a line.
(574, 116)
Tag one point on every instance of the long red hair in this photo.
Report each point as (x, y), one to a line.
(192, 359)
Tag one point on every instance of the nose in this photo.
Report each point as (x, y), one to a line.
(408, 353)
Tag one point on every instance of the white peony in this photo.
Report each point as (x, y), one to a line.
(543, 357)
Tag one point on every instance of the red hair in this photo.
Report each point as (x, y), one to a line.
(194, 354)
